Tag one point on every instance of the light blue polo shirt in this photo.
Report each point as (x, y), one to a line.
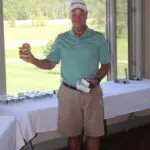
(79, 56)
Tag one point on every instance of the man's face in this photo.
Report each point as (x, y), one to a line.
(78, 18)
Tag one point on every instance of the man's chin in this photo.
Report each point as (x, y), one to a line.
(78, 28)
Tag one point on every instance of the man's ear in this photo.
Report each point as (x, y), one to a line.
(86, 15)
(70, 15)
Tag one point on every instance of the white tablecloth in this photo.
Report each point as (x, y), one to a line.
(41, 115)
(121, 99)
(8, 134)
(33, 116)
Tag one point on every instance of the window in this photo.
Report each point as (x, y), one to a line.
(38, 22)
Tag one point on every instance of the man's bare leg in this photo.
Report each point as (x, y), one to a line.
(74, 143)
(93, 143)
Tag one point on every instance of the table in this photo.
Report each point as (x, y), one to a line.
(31, 116)
(121, 99)
(8, 134)
(36, 116)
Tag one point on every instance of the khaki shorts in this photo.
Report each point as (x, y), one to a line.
(79, 111)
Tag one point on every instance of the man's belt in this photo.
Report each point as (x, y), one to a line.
(74, 88)
(69, 86)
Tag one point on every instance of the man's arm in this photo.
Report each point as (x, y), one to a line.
(40, 63)
(44, 63)
(102, 72)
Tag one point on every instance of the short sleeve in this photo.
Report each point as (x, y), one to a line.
(104, 55)
(54, 54)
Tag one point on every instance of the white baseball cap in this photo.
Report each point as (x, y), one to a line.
(78, 4)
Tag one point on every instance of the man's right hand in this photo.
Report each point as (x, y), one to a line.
(25, 53)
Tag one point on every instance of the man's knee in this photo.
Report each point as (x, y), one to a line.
(74, 142)
(75, 137)
(90, 138)
(93, 143)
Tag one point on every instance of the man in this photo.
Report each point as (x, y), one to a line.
(80, 50)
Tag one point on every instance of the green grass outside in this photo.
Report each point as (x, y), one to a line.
(38, 33)
(34, 33)
(22, 76)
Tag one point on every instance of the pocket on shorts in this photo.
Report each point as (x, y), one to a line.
(100, 91)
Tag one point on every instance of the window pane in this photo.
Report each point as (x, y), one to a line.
(96, 17)
(38, 22)
(122, 37)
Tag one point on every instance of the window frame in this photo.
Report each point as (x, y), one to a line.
(135, 38)
(111, 37)
(2, 53)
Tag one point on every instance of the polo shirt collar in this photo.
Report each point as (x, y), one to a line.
(86, 33)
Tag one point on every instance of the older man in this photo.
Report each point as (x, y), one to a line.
(80, 51)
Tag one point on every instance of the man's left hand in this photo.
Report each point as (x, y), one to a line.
(92, 81)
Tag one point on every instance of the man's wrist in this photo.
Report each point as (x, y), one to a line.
(98, 79)
(33, 60)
